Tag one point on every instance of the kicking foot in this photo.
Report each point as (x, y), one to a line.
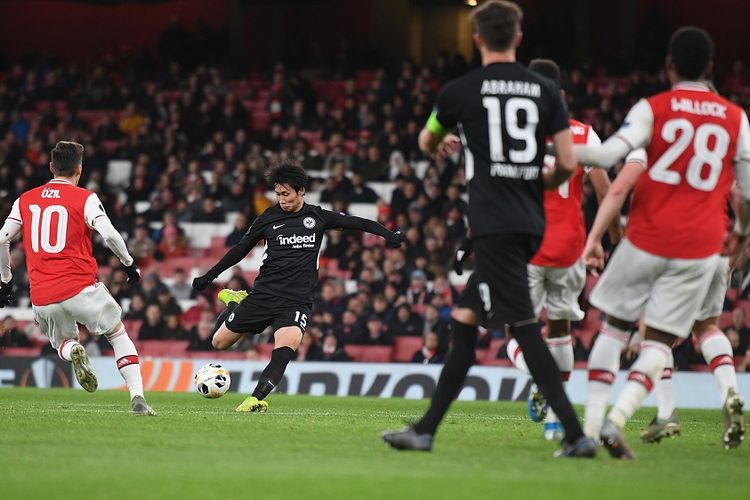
(537, 404)
(659, 429)
(252, 404)
(138, 406)
(408, 439)
(82, 368)
(613, 439)
(227, 296)
(584, 447)
(734, 421)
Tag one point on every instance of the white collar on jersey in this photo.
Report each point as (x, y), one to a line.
(60, 181)
(687, 85)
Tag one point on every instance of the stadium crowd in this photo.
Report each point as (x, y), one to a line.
(196, 141)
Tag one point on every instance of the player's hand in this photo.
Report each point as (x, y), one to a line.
(394, 240)
(447, 146)
(6, 293)
(201, 282)
(134, 274)
(593, 256)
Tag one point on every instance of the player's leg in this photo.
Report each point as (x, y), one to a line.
(621, 292)
(462, 355)
(676, 297)
(536, 406)
(656, 352)
(504, 284)
(666, 423)
(62, 331)
(563, 285)
(95, 308)
(224, 337)
(717, 352)
(289, 326)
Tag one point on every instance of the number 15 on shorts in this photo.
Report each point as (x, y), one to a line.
(300, 319)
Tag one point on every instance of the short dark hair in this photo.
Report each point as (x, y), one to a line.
(287, 172)
(497, 21)
(691, 50)
(547, 68)
(66, 156)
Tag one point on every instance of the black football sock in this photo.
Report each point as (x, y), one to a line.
(223, 315)
(460, 359)
(272, 373)
(547, 377)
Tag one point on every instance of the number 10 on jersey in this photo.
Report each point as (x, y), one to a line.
(41, 228)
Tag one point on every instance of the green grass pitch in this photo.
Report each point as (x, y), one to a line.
(71, 444)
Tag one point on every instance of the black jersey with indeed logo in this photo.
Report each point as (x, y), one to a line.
(503, 112)
(290, 261)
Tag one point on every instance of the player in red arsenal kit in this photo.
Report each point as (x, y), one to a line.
(556, 272)
(57, 219)
(696, 143)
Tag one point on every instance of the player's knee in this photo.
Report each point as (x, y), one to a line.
(219, 344)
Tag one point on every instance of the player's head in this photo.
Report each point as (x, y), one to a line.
(66, 159)
(497, 25)
(691, 53)
(289, 180)
(547, 68)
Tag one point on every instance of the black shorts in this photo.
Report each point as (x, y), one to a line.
(498, 290)
(258, 312)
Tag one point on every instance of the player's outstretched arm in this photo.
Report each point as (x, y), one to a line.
(10, 230)
(609, 208)
(114, 241)
(600, 182)
(334, 220)
(233, 256)
(634, 133)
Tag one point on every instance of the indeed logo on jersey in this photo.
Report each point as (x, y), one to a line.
(703, 108)
(297, 241)
(50, 193)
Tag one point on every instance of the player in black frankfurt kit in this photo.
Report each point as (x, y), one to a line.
(503, 113)
(282, 294)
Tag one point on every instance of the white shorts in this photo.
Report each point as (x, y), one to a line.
(93, 307)
(668, 292)
(557, 289)
(713, 304)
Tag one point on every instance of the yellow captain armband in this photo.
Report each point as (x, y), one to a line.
(434, 126)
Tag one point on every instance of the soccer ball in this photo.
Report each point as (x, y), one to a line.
(212, 381)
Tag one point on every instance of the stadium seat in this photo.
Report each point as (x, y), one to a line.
(133, 327)
(170, 348)
(405, 347)
(264, 350)
(725, 319)
(30, 352)
(495, 346)
(228, 355)
(745, 306)
(369, 353)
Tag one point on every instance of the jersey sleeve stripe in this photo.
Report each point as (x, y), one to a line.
(14, 219)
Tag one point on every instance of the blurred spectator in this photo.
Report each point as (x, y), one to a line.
(141, 247)
(207, 211)
(173, 330)
(12, 336)
(417, 295)
(405, 323)
(376, 333)
(433, 324)
(739, 322)
(734, 340)
(180, 288)
(201, 334)
(153, 327)
(360, 192)
(429, 354)
(238, 231)
(88, 343)
(172, 244)
(331, 350)
(137, 310)
(193, 314)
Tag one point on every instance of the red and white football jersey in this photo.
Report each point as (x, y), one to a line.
(565, 232)
(56, 220)
(692, 138)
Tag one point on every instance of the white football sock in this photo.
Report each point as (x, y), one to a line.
(717, 351)
(128, 364)
(647, 368)
(64, 350)
(516, 356)
(604, 362)
(561, 349)
(664, 393)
